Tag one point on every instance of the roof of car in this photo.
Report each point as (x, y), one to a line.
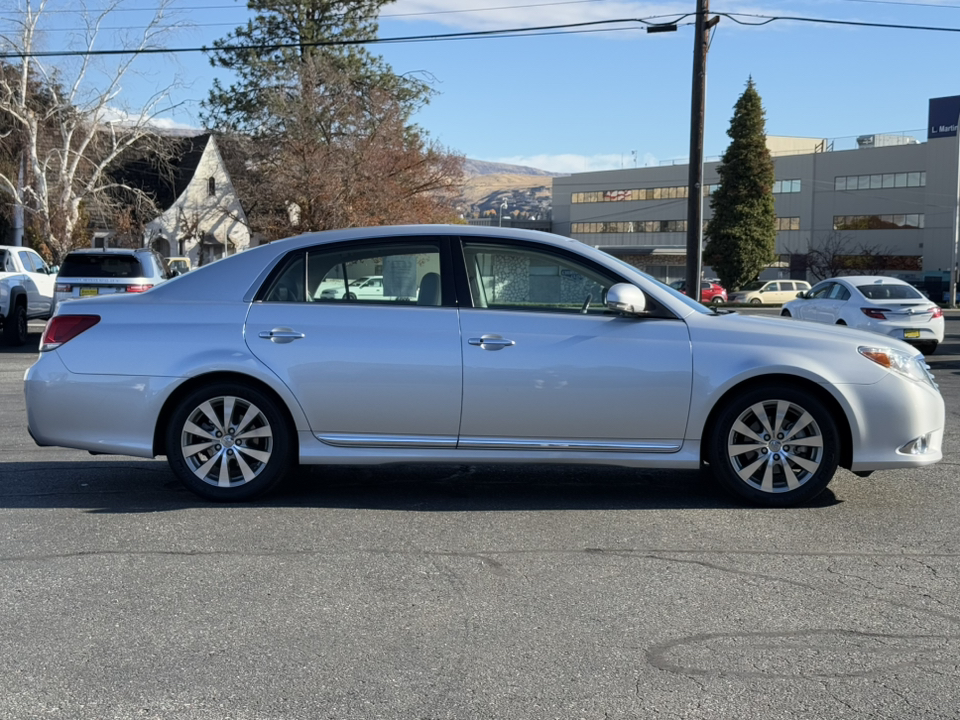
(108, 251)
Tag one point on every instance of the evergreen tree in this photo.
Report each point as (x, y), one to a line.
(319, 132)
(743, 230)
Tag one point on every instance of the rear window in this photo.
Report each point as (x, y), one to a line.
(889, 291)
(101, 266)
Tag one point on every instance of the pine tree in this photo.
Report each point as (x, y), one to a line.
(743, 230)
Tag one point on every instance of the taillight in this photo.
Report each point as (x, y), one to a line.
(937, 312)
(875, 313)
(138, 288)
(63, 328)
(60, 287)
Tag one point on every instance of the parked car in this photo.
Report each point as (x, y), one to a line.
(363, 287)
(26, 291)
(768, 292)
(90, 272)
(179, 265)
(882, 305)
(710, 292)
(521, 347)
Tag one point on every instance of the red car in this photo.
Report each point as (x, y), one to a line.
(710, 292)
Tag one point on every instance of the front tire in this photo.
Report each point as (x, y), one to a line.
(755, 301)
(774, 446)
(15, 326)
(717, 300)
(229, 443)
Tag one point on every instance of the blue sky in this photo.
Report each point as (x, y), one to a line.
(588, 101)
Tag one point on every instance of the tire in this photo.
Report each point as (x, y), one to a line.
(927, 348)
(15, 326)
(717, 300)
(785, 313)
(748, 459)
(257, 457)
(755, 301)
(841, 322)
(349, 296)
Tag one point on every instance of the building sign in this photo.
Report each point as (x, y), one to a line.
(943, 116)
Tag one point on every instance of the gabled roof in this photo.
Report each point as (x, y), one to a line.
(162, 176)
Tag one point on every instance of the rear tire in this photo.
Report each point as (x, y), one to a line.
(755, 301)
(927, 348)
(229, 443)
(15, 326)
(774, 446)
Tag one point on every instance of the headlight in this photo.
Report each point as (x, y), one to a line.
(911, 366)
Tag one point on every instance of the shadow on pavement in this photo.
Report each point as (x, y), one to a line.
(139, 486)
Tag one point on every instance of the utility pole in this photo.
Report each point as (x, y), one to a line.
(695, 182)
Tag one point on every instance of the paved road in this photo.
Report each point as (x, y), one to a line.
(428, 593)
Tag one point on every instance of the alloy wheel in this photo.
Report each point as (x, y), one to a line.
(775, 446)
(226, 441)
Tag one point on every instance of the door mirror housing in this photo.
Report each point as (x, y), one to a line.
(801, 294)
(626, 299)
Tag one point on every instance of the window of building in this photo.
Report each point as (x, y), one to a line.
(880, 181)
(788, 223)
(630, 226)
(786, 186)
(909, 221)
(211, 186)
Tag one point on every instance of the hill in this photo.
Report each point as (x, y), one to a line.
(527, 191)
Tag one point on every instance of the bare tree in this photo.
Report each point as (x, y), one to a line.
(68, 123)
(838, 254)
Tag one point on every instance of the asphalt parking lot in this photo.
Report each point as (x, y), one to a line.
(473, 592)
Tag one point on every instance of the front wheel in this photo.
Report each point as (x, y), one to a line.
(15, 326)
(774, 446)
(785, 313)
(755, 301)
(229, 443)
(717, 300)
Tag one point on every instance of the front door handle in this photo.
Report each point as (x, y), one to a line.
(491, 342)
(281, 335)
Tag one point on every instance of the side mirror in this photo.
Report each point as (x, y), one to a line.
(801, 294)
(626, 299)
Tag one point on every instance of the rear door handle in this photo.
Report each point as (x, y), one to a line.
(491, 342)
(281, 335)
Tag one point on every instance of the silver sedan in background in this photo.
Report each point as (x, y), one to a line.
(488, 345)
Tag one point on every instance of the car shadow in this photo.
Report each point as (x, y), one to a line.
(143, 486)
(31, 347)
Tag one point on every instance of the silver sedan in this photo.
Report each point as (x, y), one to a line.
(488, 346)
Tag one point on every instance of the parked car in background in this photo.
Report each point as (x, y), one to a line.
(520, 347)
(26, 291)
(879, 304)
(370, 286)
(179, 265)
(91, 272)
(710, 292)
(768, 292)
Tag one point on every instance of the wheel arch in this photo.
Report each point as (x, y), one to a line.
(799, 383)
(171, 403)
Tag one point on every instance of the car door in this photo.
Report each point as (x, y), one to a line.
(831, 305)
(808, 307)
(39, 283)
(367, 371)
(547, 366)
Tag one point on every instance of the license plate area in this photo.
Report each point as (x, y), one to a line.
(88, 291)
(911, 334)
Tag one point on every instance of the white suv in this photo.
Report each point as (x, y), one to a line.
(85, 273)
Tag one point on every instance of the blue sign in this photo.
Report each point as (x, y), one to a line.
(943, 116)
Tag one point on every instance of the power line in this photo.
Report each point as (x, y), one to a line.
(767, 19)
(472, 35)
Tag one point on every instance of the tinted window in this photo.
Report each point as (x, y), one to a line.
(890, 291)
(92, 265)
(26, 261)
(786, 286)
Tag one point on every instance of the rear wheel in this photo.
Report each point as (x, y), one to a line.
(717, 300)
(927, 348)
(755, 301)
(785, 313)
(15, 326)
(229, 443)
(774, 446)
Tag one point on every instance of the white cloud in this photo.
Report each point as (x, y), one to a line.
(570, 163)
(122, 117)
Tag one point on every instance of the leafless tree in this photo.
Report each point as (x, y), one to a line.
(838, 254)
(68, 122)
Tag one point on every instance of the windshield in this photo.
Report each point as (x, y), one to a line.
(890, 291)
(755, 285)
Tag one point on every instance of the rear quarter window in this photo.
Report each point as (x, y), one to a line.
(101, 266)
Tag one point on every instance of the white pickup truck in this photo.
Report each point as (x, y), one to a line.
(26, 291)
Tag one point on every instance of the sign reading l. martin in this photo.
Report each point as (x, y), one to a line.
(943, 116)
